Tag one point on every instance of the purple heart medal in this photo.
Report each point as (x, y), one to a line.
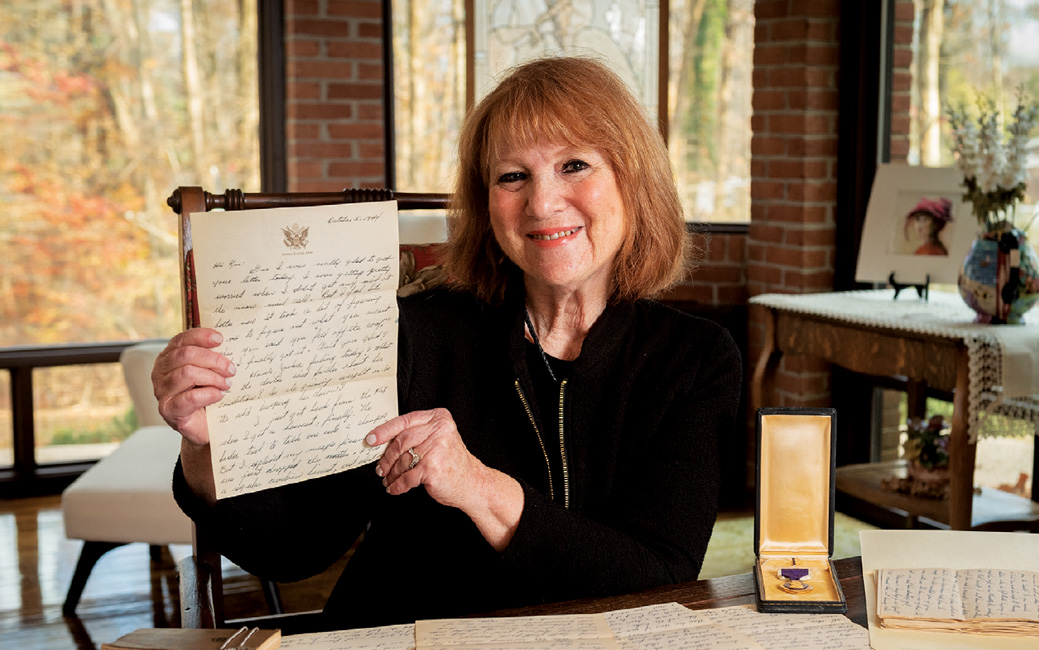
(795, 578)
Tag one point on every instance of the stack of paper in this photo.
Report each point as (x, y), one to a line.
(656, 627)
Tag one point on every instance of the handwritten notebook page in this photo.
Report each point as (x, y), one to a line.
(975, 600)
(1000, 594)
(305, 299)
(920, 593)
(908, 549)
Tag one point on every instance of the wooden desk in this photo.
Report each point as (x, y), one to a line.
(703, 594)
(931, 360)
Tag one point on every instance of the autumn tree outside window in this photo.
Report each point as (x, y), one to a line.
(104, 108)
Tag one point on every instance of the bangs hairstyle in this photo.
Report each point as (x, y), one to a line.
(574, 102)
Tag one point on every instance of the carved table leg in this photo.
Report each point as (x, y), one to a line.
(767, 361)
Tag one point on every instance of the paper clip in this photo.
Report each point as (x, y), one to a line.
(239, 645)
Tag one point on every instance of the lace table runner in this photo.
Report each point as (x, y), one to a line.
(1003, 359)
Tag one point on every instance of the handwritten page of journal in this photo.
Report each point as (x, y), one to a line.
(975, 553)
(306, 301)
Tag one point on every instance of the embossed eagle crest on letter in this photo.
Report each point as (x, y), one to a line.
(296, 236)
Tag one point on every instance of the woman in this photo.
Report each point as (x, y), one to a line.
(558, 432)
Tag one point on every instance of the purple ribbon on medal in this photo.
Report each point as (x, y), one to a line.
(794, 573)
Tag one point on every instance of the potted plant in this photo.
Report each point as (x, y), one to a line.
(927, 450)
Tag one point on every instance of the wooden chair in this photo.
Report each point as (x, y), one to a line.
(201, 581)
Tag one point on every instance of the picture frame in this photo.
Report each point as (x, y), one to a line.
(631, 36)
(917, 227)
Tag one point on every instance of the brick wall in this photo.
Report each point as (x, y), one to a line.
(334, 89)
(720, 276)
(790, 245)
(902, 79)
(791, 242)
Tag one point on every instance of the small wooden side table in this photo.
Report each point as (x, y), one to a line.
(937, 360)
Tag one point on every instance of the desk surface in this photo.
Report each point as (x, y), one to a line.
(703, 594)
(727, 591)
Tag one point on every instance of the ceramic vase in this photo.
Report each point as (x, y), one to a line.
(999, 278)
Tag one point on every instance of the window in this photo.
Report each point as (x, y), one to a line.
(949, 53)
(709, 95)
(709, 84)
(429, 91)
(961, 50)
(105, 107)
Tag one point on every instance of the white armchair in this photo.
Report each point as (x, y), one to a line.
(127, 496)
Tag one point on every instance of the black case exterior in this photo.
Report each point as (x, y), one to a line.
(794, 606)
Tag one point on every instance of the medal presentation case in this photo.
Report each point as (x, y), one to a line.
(793, 514)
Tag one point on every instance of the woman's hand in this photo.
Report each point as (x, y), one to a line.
(187, 377)
(445, 467)
(425, 448)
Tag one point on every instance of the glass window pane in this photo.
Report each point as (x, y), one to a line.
(710, 88)
(960, 52)
(82, 412)
(429, 91)
(106, 107)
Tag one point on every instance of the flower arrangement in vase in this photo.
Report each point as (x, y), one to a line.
(927, 452)
(999, 278)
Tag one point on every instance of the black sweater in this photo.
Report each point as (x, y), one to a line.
(646, 401)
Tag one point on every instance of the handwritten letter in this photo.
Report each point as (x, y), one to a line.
(393, 637)
(305, 299)
(673, 627)
(574, 632)
(667, 626)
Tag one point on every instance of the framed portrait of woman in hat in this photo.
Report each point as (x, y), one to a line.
(917, 226)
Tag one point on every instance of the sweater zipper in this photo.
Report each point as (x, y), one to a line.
(562, 447)
(530, 415)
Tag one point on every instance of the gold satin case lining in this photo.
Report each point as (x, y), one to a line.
(795, 506)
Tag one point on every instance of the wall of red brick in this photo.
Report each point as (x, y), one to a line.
(334, 90)
(719, 274)
(791, 242)
(901, 79)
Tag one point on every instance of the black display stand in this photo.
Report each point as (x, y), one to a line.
(922, 290)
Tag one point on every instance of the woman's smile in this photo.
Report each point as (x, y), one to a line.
(553, 237)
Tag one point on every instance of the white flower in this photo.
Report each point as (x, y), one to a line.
(993, 166)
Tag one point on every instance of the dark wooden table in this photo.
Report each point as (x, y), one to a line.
(703, 594)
